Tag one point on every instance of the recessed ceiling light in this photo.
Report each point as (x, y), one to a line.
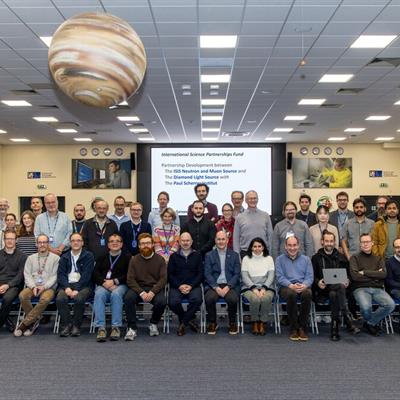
(139, 130)
(385, 138)
(354, 130)
(45, 119)
(398, 130)
(372, 41)
(46, 40)
(338, 138)
(212, 102)
(186, 93)
(295, 117)
(218, 41)
(272, 139)
(210, 139)
(67, 130)
(148, 139)
(377, 118)
(16, 103)
(397, 103)
(214, 87)
(211, 117)
(311, 102)
(186, 87)
(214, 92)
(283, 130)
(212, 110)
(210, 130)
(20, 140)
(123, 103)
(3, 131)
(83, 139)
(335, 78)
(215, 78)
(132, 118)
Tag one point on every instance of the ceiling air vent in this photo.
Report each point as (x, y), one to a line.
(297, 132)
(23, 92)
(235, 133)
(350, 90)
(331, 105)
(384, 62)
(52, 106)
(306, 124)
(64, 125)
(89, 133)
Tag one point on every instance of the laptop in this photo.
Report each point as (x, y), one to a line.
(333, 276)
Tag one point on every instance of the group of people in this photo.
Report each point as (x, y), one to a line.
(122, 260)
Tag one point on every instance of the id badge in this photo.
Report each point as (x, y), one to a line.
(108, 276)
(102, 241)
(51, 239)
(39, 281)
(134, 244)
(74, 277)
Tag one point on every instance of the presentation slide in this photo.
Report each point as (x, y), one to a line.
(224, 169)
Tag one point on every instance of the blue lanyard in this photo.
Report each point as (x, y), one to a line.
(112, 263)
(74, 267)
(48, 224)
(135, 231)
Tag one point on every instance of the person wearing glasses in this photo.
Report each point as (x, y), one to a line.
(368, 273)
(227, 223)
(340, 216)
(393, 271)
(40, 273)
(237, 198)
(74, 277)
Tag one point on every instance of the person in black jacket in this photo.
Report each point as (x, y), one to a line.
(74, 277)
(329, 257)
(185, 274)
(393, 272)
(110, 277)
(201, 229)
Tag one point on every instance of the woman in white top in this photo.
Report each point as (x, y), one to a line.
(317, 230)
(258, 274)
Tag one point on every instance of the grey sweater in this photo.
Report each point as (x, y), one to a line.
(258, 272)
(49, 274)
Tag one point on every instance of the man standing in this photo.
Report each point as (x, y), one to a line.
(237, 198)
(74, 277)
(368, 273)
(201, 229)
(210, 209)
(290, 226)
(40, 273)
(304, 214)
(222, 280)
(393, 272)
(79, 215)
(355, 227)
(329, 257)
(294, 274)
(340, 216)
(154, 218)
(185, 275)
(119, 178)
(97, 231)
(4, 206)
(147, 277)
(380, 208)
(36, 206)
(250, 224)
(119, 216)
(12, 263)
(55, 224)
(386, 230)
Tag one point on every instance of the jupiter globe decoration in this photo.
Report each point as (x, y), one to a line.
(97, 59)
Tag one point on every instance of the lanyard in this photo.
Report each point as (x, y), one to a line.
(342, 220)
(76, 228)
(100, 232)
(42, 267)
(112, 264)
(74, 266)
(167, 238)
(135, 230)
(54, 226)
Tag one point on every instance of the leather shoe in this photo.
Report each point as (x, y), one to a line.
(302, 335)
(294, 336)
(371, 329)
(212, 328)
(261, 328)
(233, 328)
(181, 330)
(254, 328)
(75, 331)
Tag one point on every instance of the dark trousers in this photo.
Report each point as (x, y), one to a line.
(7, 300)
(211, 298)
(132, 298)
(175, 304)
(297, 319)
(78, 302)
(337, 298)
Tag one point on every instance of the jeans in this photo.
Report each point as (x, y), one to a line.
(231, 298)
(78, 302)
(366, 297)
(260, 307)
(7, 300)
(337, 298)
(395, 293)
(103, 296)
(297, 319)
(175, 304)
(32, 314)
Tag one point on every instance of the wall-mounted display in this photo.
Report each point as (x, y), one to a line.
(322, 172)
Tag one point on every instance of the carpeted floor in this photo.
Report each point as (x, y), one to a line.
(199, 367)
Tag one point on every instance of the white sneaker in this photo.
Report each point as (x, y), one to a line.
(31, 330)
(153, 330)
(130, 334)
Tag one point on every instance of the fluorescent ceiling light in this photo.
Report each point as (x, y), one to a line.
(385, 138)
(20, 140)
(3, 131)
(128, 118)
(212, 110)
(214, 92)
(46, 40)
(139, 130)
(398, 130)
(144, 139)
(211, 117)
(272, 139)
(335, 78)
(373, 41)
(186, 93)
(45, 119)
(210, 130)
(397, 103)
(16, 103)
(377, 118)
(354, 130)
(212, 102)
(215, 87)
(215, 78)
(311, 102)
(283, 130)
(218, 41)
(210, 139)
(295, 117)
(83, 139)
(338, 139)
(67, 130)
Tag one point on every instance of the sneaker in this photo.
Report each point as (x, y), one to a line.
(19, 330)
(65, 332)
(212, 328)
(153, 330)
(294, 336)
(233, 328)
(76, 331)
(32, 329)
(115, 333)
(302, 335)
(130, 334)
(101, 335)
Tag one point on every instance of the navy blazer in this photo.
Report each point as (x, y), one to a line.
(212, 269)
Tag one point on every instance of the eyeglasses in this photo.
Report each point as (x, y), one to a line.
(114, 241)
(42, 243)
(344, 199)
(366, 241)
(136, 209)
(145, 244)
(76, 240)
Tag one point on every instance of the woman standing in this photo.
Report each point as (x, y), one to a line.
(258, 274)
(226, 223)
(318, 229)
(26, 241)
(10, 224)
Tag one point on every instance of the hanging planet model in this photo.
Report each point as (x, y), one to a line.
(97, 59)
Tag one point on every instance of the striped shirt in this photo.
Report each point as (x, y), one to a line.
(166, 239)
(27, 244)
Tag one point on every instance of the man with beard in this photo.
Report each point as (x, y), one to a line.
(154, 218)
(355, 227)
(304, 213)
(380, 208)
(393, 272)
(201, 229)
(147, 277)
(78, 222)
(340, 216)
(290, 226)
(210, 209)
(329, 257)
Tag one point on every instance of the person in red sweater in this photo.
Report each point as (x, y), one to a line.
(226, 223)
